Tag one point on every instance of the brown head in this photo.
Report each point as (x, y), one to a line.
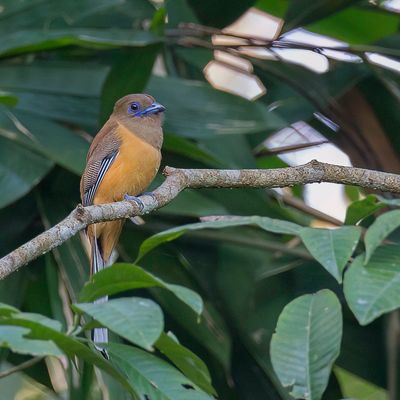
(142, 115)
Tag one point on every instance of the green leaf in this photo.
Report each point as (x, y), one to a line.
(134, 66)
(152, 377)
(360, 209)
(68, 344)
(28, 41)
(138, 320)
(383, 226)
(302, 12)
(268, 224)
(209, 112)
(54, 141)
(307, 342)
(121, 277)
(84, 79)
(7, 310)
(389, 202)
(179, 145)
(14, 338)
(353, 25)
(224, 12)
(8, 99)
(190, 365)
(332, 247)
(20, 171)
(47, 14)
(373, 288)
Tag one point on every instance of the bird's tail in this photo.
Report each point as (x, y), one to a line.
(99, 335)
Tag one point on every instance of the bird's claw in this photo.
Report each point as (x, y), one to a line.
(150, 194)
(135, 200)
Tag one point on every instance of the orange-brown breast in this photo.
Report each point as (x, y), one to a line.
(132, 171)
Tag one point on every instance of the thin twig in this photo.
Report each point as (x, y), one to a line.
(180, 179)
(22, 366)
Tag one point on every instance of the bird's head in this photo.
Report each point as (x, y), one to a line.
(139, 106)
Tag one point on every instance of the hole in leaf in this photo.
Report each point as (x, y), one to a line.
(187, 386)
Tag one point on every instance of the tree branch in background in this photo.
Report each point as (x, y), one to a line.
(180, 179)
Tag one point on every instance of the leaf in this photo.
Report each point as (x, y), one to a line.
(152, 377)
(358, 31)
(224, 12)
(383, 226)
(47, 14)
(190, 365)
(29, 41)
(54, 141)
(331, 247)
(302, 12)
(121, 277)
(8, 99)
(138, 320)
(389, 202)
(84, 79)
(360, 209)
(134, 66)
(179, 145)
(68, 344)
(306, 343)
(20, 171)
(209, 112)
(268, 224)
(373, 288)
(14, 338)
(193, 203)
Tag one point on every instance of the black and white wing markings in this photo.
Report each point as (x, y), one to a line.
(104, 166)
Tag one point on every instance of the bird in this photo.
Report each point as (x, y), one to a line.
(122, 161)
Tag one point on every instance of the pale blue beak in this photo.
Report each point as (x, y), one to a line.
(154, 108)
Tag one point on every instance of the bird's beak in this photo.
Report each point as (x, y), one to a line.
(154, 108)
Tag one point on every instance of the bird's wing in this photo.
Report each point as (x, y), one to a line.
(102, 153)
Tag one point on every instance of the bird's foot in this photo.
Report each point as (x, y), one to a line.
(151, 194)
(135, 200)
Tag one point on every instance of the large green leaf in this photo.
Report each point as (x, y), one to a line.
(28, 41)
(361, 209)
(209, 111)
(20, 170)
(268, 224)
(121, 277)
(17, 339)
(152, 377)
(42, 328)
(379, 230)
(302, 12)
(18, 15)
(84, 79)
(134, 66)
(373, 288)
(223, 12)
(332, 247)
(8, 98)
(307, 343)
(353, 25)
(54, 141)
(138, 320)
(191, 365)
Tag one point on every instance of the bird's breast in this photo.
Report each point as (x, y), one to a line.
(133, 169)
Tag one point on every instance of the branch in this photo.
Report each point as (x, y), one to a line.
(180, 179)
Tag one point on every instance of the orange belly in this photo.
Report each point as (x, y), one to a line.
(132, 171)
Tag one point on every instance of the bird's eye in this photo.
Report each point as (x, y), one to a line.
(134, 106)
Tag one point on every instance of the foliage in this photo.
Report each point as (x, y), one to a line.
(250, 307)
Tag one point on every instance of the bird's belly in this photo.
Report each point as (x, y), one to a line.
(132, 171)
